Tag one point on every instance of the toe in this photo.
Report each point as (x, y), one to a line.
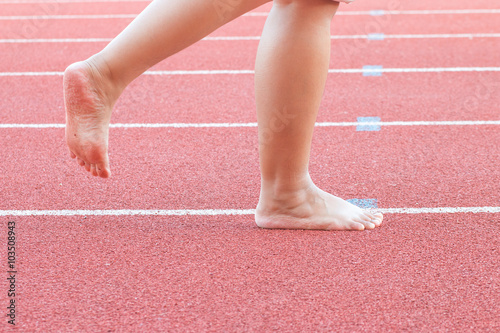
(87, 166)
(369, 216)
(93, 170)
(366, 217)
(80, 161)
(71, 154)
(373, 218)
(103, 171)
(368, 224)
(378, 219)
(357, 226)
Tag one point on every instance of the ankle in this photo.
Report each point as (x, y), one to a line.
(110, 83)
(285, 193)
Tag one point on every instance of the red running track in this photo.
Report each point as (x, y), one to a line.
(435, 53)
(208, 168)
(230, 98)
(419, 272)
(252, 26)
(99, 274)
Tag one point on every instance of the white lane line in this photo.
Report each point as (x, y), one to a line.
(438, 210)
(31, 74)
(246, 38)
(403, 12)
(470, 36)
(54, 40)
(127, 212)
(413, 123)
(254, 14)
(416, 70)
(17, 2)
(420, 36)
(203, 72)
(245, 71)
(100, 40)
(67, 17)
(240, 125)
(215, 212)
(432, 12)
(446, 11)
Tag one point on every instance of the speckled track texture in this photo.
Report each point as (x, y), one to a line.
(121, 267)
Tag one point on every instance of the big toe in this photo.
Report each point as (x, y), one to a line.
(103, 170)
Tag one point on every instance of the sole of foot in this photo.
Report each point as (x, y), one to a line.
(88, 113)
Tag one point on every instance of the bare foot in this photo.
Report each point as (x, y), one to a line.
(311, 208)
(89, 98)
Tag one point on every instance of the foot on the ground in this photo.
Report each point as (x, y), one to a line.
(311, 208)
(89, 97)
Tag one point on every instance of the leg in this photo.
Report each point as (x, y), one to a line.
(291, 70)
(92, 87)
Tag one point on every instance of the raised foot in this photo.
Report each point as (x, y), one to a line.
(88, 112)
(314, 209)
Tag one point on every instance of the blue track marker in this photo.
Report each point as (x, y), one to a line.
(372, 70)
(368, 127)
(376, 36)
(364, 203)
(378, 12)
